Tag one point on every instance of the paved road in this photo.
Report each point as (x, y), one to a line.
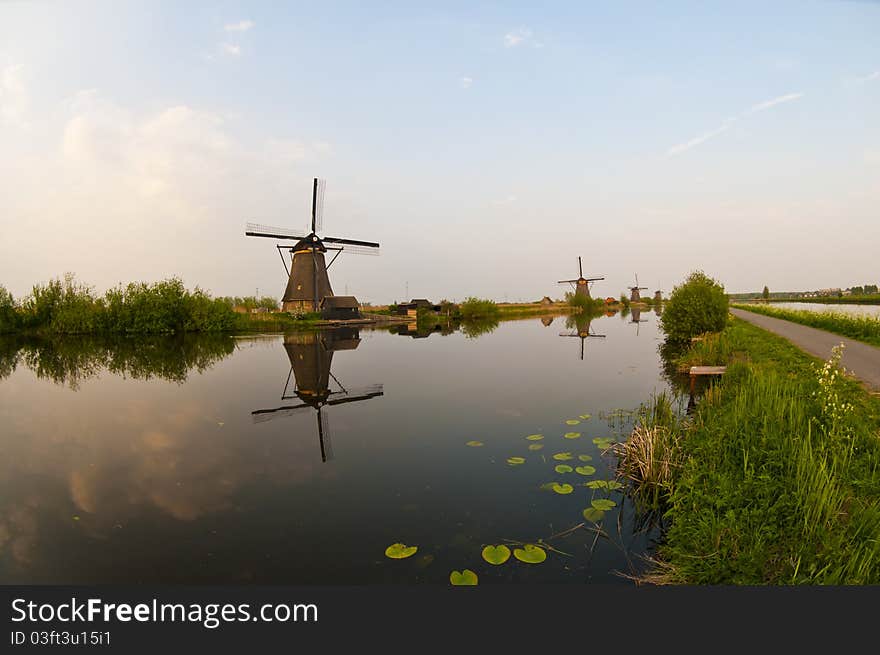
(858, 358)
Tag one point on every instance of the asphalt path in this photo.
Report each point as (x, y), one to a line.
(859, 358)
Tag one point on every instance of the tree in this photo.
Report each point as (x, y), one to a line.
(696, 306)
(766, 293)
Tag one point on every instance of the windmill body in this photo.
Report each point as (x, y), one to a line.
(581, 284)
(635, 295)
(307, 280)
(583, 331)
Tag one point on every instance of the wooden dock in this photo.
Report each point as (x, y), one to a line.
(697, 371)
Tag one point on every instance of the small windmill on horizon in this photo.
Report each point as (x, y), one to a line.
(307, 281)
(581, 284)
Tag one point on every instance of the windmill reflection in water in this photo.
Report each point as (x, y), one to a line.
(311, 356)
(583, 331)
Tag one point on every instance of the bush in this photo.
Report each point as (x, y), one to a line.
(473, 308)
(8, 317)
(696, 306)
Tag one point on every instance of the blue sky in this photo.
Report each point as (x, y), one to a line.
(485, 146)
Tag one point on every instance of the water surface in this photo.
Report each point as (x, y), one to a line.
(207, 460)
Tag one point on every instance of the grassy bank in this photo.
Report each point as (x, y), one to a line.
(870, 299)
(861, 328)
(775, 477)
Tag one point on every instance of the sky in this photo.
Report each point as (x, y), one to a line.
(485, 145)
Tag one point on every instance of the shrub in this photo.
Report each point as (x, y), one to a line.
(696, 306)
(478, 308)
(8, 317)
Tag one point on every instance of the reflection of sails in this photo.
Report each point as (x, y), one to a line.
(311, 355)
(582, 324)
(546, 320)
(637, 318)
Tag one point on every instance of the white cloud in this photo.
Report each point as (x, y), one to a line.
(14, 99)
(240, 26)
(870, 77)
(767, 104)
(466, 82)
(517, 37)
(231, 49)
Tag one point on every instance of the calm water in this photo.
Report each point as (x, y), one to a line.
(206, 461)
(859, 310)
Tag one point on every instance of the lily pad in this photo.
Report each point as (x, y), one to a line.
(593, 514)
(535, 446)
(474, 444)
(563, 468)
(572, 421)
(603, 504)
(614, 484)
(496, 554)
(572, 435)
(603, 442)
(530, 554)
(562, 488)
(597, 484)
(463, 578)
(516, 461)
(563, 457)
(585, 458)
(585, 416)
(535, 437)
(586, 469)
(400, 551)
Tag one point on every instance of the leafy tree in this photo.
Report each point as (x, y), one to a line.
(695, 306)
(766, 293)
(8, 316)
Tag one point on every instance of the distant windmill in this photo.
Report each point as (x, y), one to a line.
(635, 296)
(311, 355)
(582, 323)
(581, 285)
(307, 280)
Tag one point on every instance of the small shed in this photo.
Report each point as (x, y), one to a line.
(546, 300)
(412, 308)
(340, 308)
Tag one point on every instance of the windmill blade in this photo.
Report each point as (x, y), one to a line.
(358, 250)
(351, 242)
(271, 232)
(324, 436)
(580, 267)
(318, 205)
(566, 282)
(263, 415)
(356, 395)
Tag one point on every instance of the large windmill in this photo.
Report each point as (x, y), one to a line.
(311, 355)
(582, 323)
(581, 285)
(307, 280)
(634, 295)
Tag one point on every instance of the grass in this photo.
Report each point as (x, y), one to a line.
(861, 328)
(775, 477)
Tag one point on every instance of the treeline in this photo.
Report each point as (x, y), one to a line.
(70, 307)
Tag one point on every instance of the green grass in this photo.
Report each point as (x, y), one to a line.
(771, 484)
(861, 328)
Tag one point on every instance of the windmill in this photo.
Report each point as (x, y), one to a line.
(307, 280)
(634, 295)
(311, 355)
(583, 331)
(636, 317)
(581, 285)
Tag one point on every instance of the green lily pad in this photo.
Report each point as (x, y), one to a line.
(572, 421)
(597, 484)
(563, 468)
(496, 554)
(563, 457)
(614, 484)
(593, 514)
(585, 458)
(463, 578)
(603, 504)
(572, 435)
(603, 442)
(586, 469)
(400, 551)
(474, 444)
(530, 554)
(535, 446)
(516, 461)
(535, 437)
(585, 416)
(562, 488)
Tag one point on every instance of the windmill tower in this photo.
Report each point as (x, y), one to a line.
(634, 295)
(307, 280)
(311, 355)
(658, 297)
(583, 331)
(636, 317)
(581, 285)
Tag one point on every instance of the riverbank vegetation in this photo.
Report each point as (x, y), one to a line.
(696, 306)
(861, 328)
(774, 478)
(66, 306)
